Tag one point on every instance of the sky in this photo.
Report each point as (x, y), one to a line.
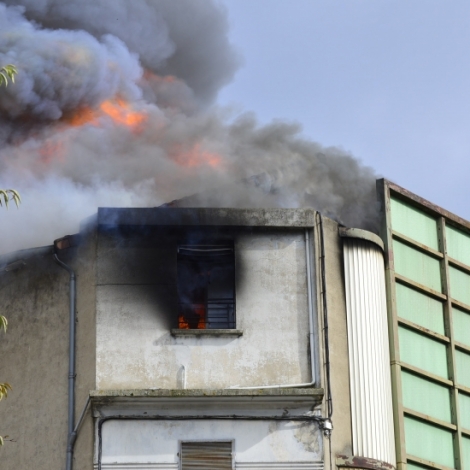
(385, 80)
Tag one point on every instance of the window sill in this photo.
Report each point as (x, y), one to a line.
(213, 332)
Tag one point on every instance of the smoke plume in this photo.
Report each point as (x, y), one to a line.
(114, 106)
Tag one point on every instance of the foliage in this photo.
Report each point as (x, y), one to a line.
(4, 387)
(9, 195)
(7, 73)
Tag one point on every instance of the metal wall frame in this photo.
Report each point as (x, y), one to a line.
(387, 190)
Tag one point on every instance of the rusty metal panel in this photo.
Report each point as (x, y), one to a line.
(214, 455)
(369, 359)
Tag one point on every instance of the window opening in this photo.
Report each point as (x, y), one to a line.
(206, 286)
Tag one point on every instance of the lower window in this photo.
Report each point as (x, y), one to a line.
(198, 455)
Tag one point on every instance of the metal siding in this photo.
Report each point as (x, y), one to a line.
(425, 396)
(461, 326)
(462, 361)
(459, 285)
(417, 266)
(369, 360)
(458, 245)
(464, 408)
(466, 453)
(206, 456)
(423, 352)
(429, 442)
(420, 309)
(414, 223)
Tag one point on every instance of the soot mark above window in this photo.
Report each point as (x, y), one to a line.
(206, 286)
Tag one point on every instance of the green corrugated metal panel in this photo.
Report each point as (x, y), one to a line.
(461, 321)
(414, 224)
(458, 245)
(464, 410)
(462, 362)
(423, 352)
(417, 266)
(429, 442)
(466, 453)
(420, 309)
(425, 396)
(459, 285)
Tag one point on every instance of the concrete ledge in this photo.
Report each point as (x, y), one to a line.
(313, 393)
(206, 216)
(354, 462)
(208, 332)
(361, 235)
(157, 401)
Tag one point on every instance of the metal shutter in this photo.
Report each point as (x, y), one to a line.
(206, 456)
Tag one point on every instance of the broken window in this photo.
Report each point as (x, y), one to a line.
(206, 286)
(206, 455)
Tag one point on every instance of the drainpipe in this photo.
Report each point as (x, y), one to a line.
(311, 321)
(71, 435)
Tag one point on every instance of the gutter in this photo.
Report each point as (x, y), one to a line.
(61, 243)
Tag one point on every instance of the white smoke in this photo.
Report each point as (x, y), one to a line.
(67, 154)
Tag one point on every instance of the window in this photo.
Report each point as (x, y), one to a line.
(206, 455)
(206, 286)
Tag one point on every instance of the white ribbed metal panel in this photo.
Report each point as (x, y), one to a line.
(369, 357)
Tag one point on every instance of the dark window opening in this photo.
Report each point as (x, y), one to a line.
(206, 286)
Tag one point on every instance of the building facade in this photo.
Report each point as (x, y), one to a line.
(173, 338)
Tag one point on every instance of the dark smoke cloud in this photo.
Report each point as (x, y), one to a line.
(73, 57)
(185, 38)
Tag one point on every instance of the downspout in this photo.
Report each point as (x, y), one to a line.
(71, 435)
(311, 321)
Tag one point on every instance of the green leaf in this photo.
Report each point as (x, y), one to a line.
(3, 323)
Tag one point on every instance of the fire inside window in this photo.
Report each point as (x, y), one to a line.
(206, 286)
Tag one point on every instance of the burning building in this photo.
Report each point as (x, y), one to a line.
(242, 325)
(241, 338)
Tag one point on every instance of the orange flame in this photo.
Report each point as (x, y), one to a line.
(121, 113)
(195, 156)
(199, 311)
(118, 110)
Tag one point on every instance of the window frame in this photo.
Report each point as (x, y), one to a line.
(201, 247)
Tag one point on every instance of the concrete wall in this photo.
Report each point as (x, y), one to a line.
(341, 438)
(34, 356)
(137, 307)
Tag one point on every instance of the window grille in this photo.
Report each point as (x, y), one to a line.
(206, 286)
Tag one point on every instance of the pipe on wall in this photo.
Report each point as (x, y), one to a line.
(71, 435)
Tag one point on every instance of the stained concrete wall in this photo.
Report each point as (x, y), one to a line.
(126, 309)
(137, 308)
(341, 437)
(34, 355)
